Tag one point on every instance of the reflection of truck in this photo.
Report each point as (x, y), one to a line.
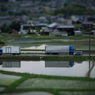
(60, 49)
(0, 51)
(15, 64)
(10, 50)
(0, 62)
(59, 64)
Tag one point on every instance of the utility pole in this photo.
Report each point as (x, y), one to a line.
(89, 42)
(90, 28)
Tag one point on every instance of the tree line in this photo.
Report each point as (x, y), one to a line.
(8, 28)
(71, 10)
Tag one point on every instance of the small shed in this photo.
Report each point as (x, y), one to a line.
(77, 33)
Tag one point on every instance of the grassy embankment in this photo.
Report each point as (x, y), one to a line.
(55, 91)
(47, 58)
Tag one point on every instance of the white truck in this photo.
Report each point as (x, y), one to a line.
(60, 49)
(13, 50)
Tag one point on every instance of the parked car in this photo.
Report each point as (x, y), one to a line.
(78, 53)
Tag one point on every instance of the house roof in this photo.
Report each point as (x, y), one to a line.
(26, 24)
(52, 25)
(41, 24)
(66, 26)
(87, 23)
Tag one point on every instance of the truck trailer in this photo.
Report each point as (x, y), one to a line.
(13, 50)
(60, 49)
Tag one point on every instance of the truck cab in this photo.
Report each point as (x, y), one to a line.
(71, 50)
(0, 51)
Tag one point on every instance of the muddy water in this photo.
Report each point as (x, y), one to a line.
(59, 68)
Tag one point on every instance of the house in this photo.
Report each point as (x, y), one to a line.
(53, 25)
(68, 30)
(89, 18)
(6, 20)
(42, 19)
(53, 18)
(76, 19)
(61, 20)
(87, 25)
(60, 30)
(32, 28)
(24, 28)
(50, 28)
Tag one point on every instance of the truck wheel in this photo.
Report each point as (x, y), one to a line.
(71, 53)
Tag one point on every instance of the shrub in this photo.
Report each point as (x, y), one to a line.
(2, 41)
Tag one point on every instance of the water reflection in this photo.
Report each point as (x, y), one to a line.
(59, 64)
(60, 68)
(11, 64)
(0, 62)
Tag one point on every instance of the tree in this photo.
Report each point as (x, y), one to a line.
(15, 26)
(61, 15)
(5, 28)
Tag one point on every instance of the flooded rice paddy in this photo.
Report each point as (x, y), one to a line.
(59, 68)
(41, 43)
(6, 80)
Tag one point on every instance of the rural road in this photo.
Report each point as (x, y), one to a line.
(51, 55)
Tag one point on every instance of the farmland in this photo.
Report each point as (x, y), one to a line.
(43, 84)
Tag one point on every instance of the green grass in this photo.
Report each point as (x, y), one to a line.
(47, 58)
(14, 85)
(28, 76)
(2, 42)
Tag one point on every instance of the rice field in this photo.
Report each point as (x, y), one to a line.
(52, 83)
(41, 43)
(6, 80)
(76, 93)
(31, 84)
